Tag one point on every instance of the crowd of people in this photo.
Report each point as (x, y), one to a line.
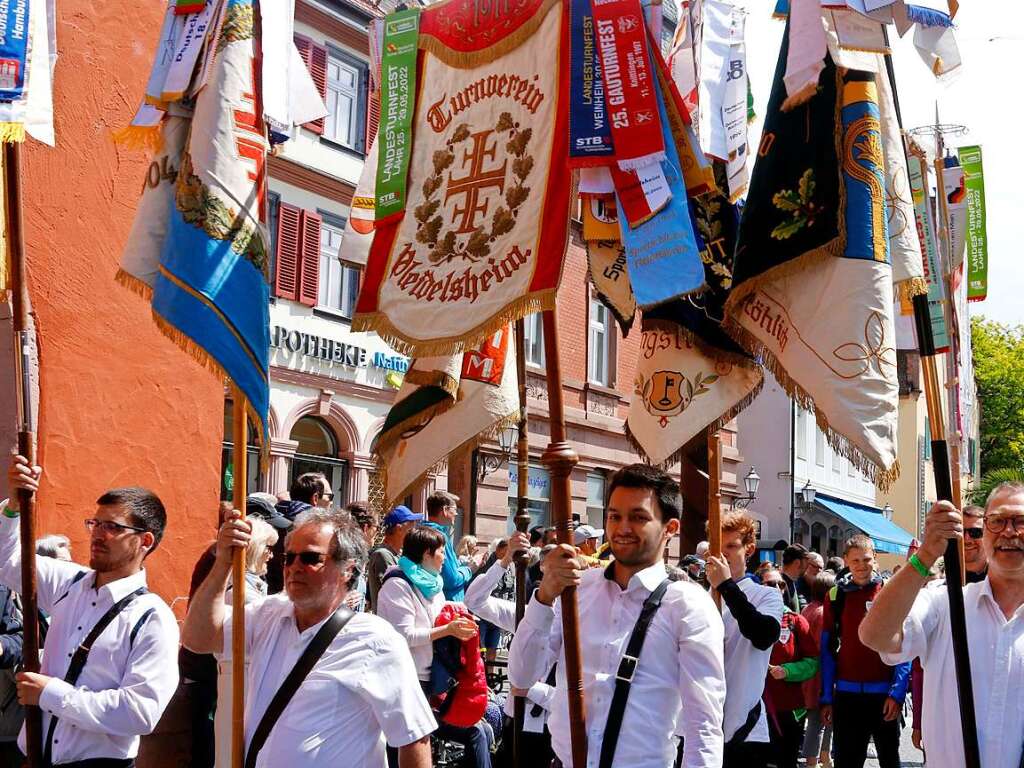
(370, 643)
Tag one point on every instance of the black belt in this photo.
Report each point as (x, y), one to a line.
(99, 762)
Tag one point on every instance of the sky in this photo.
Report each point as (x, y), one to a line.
(983, 95)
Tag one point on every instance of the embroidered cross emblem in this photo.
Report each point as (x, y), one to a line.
(475, 181)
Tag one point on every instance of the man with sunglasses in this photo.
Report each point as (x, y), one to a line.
(126, 673)
(907, 622)
(975, 559)
(361, 692)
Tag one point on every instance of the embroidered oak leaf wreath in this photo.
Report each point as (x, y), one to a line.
(797, 203)
(446, 246)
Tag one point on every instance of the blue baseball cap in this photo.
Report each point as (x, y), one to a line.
(399, 515)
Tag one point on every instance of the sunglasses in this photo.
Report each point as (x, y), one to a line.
(110, 527)
(306, 558)
(975, 533)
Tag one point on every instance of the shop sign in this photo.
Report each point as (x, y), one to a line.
(538, 483)
(317, 347)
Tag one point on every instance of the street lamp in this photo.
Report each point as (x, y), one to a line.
(887, 511)
(751, 481)
(807, 493)
(488, 463)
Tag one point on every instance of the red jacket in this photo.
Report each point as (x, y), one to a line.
(797, 649)
(471, 693)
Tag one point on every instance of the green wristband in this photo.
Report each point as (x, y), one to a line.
(918, 566)
(11, 512)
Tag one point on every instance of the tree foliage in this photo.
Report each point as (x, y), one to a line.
(993, 478)
(999, 372)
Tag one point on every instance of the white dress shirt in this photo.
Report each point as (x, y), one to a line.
(502, 613)
(997, 670)
(362, 691)
(406, 609)
(745, 665)
(680, 666)
(126, 683)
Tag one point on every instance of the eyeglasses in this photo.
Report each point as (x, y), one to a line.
(306, 558)
(975, 533)
(997, 524)
(780, 584)
(328, 496)
(110, 527)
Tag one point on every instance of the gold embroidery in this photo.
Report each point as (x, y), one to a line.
(862, 160)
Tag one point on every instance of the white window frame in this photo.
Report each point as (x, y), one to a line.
(533, 332)
(335, 90)
(801, 433)
(600, 336)
(336, 292)
(594, 504)
(819, 446)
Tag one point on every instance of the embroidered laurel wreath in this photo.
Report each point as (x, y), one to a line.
(446, 246)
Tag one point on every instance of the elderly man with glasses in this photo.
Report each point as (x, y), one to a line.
(360, 687)
(109, 661)
(907, 622)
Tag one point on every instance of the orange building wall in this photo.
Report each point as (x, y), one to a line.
(119, 403)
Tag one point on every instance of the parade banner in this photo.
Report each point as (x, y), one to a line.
(904, 246)
(14, 36)
(691, 375)
(397, 97)
(483, 236)
(590, 138)
(664, 261)
(362, 213)
(26, 58)
(600, 217)
(813, 295)
(201, 256)
(447, 405)
(609, 272)
(930, 263)
(806, 57)
(977, 239)
(683, 56)
(629, 85)
(955, 187)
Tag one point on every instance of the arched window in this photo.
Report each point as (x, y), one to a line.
(817, 537)
(833, 540)
(801, 532)
(317, 451)
(252, 455)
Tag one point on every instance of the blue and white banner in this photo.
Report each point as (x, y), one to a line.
(590, 135)
(14, 29)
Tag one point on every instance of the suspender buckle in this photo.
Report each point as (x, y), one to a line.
(627, 668)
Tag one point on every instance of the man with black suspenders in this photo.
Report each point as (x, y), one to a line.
(109, 664)
(652, 650)
(324, 686)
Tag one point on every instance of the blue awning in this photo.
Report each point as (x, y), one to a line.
(887, 536)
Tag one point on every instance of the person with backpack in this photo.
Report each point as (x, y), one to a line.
(411, 598)
(861, 696)
(651, 649)
(324, 685)
(109, 659)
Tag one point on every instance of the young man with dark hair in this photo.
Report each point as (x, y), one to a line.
(861, 696)
(306, 491)
(99, 690)
(794, 563)
(640, 693)
(752, 614)
(442, 509)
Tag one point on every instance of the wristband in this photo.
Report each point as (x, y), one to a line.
(11, 512)
(918, 566)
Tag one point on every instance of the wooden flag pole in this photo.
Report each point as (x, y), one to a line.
(560, 458)
(522, 522)
(715, 500)
(944, 491)
(240, 436)
(26, 436)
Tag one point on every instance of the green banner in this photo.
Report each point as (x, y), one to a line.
(977, 244)
(397, 100)
(926, 234)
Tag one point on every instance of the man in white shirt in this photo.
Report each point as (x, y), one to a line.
(363, 689)
(906, 622)
(677, 683)
(131, 670)
(753, 619)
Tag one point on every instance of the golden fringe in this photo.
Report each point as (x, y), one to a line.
(881, 477)
(439, 379)
(12, 132)
(471, 59)
(133, 284)
(800, 98)
(504, 422)
(387, 439)
(379, 323)
(677, 455)
(139, 137)
(911, 287)
(709, 350)
(885, 50)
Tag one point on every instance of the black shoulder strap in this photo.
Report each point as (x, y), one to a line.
(536, 710)
(624, 676)
(78, 577)
(82, 654)
(316, 648)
